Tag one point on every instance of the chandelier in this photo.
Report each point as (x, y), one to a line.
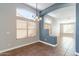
(37, 17)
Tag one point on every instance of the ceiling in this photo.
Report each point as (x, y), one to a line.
(63, 13)
(66, 12)
(40, 6)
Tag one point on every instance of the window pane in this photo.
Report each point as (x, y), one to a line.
(68, 28)
(21, 29)
(25, 13)
(21, 34)
(31, 25)
(48, 26)
(25, 28)
(31, 29)
(21, 24)
(32, 33)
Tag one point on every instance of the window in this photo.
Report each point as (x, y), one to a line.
(31, 29)
(68, 28)
(25, 28)
(21, 29)
(48, 26)
(25, 13)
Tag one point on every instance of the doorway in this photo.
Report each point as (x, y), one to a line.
(67, 33)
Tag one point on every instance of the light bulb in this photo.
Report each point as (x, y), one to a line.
(40, 18)
(36, 17)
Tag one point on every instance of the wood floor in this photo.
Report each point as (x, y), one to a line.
(40, 49)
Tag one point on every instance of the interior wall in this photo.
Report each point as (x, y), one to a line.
(44, 36)
(61, 21)
(53, 23)
(56, 24)
(77, 28)
(8, 28)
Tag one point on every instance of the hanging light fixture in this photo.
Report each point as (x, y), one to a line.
(37, 17)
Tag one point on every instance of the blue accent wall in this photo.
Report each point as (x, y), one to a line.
(44, 34)
(41, 29)
(77, 27)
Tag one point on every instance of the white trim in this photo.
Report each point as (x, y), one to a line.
(18, 46)
(76, 53)
(26, 45)
(48, 44)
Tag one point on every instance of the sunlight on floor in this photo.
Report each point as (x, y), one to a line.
(68, 44)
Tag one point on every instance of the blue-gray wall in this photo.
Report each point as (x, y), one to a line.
(41, 28)
(77, 27)
(44, 34)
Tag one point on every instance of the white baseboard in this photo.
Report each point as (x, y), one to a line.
(48, 44)
(76, 53)
(18, 47)
(26, 45)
